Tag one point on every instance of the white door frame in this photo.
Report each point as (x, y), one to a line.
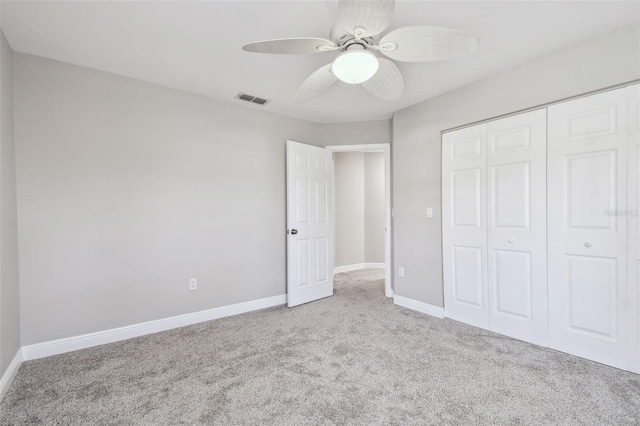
(386, 149)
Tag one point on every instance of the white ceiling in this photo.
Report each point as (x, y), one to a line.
(196, 46)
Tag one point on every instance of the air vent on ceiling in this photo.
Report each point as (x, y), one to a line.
(254, 99)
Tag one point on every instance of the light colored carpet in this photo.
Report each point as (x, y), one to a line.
(354, 358)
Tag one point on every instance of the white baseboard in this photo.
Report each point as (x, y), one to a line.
(10, 374)
(55, 347)
(348, 268)
(425, 308)
(357, 267)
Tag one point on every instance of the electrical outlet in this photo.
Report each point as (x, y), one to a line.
(193, 284)
(401, 272)
(429, 212)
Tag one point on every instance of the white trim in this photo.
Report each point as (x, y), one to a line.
(54, 347)
(425, 308)
(386, 148)
(388, 284)
(10, 374)
(348, 268)
(357, 267)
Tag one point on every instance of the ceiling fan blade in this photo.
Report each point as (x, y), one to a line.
(365, 18)
(291, 46)
(315, 84)
(426, 44)
(387, 83)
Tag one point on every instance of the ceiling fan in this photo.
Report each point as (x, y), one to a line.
(364, 21)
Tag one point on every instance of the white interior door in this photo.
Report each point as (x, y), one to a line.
(517, 222)
(309, 228)
(587, 174)
(464, 225)
(633, 219)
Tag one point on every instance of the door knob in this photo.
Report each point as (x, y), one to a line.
(293, 231)
(511, 241)
(587, 244)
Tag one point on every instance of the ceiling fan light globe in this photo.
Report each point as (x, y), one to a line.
(355, 66)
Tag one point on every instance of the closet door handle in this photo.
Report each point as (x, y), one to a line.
(511, 241)
(587, 244)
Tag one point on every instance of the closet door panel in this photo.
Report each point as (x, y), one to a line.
(464, 225)
(516, 194)
(633, 213)
(587, 237)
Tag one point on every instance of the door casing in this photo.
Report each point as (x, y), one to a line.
(386, 149)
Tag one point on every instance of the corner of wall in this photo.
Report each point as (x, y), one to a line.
(10, 339)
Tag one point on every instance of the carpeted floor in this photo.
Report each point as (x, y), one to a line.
(353, 358)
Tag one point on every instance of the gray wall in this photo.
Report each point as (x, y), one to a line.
(603, 61)
(364, 132)
(9, 282)
(374, 207)
(349, 208)
(359, 207)
(126, 190)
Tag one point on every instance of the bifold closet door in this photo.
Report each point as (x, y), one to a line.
(587, 232)
(517, 226)
(464, 229)
(633, 225)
